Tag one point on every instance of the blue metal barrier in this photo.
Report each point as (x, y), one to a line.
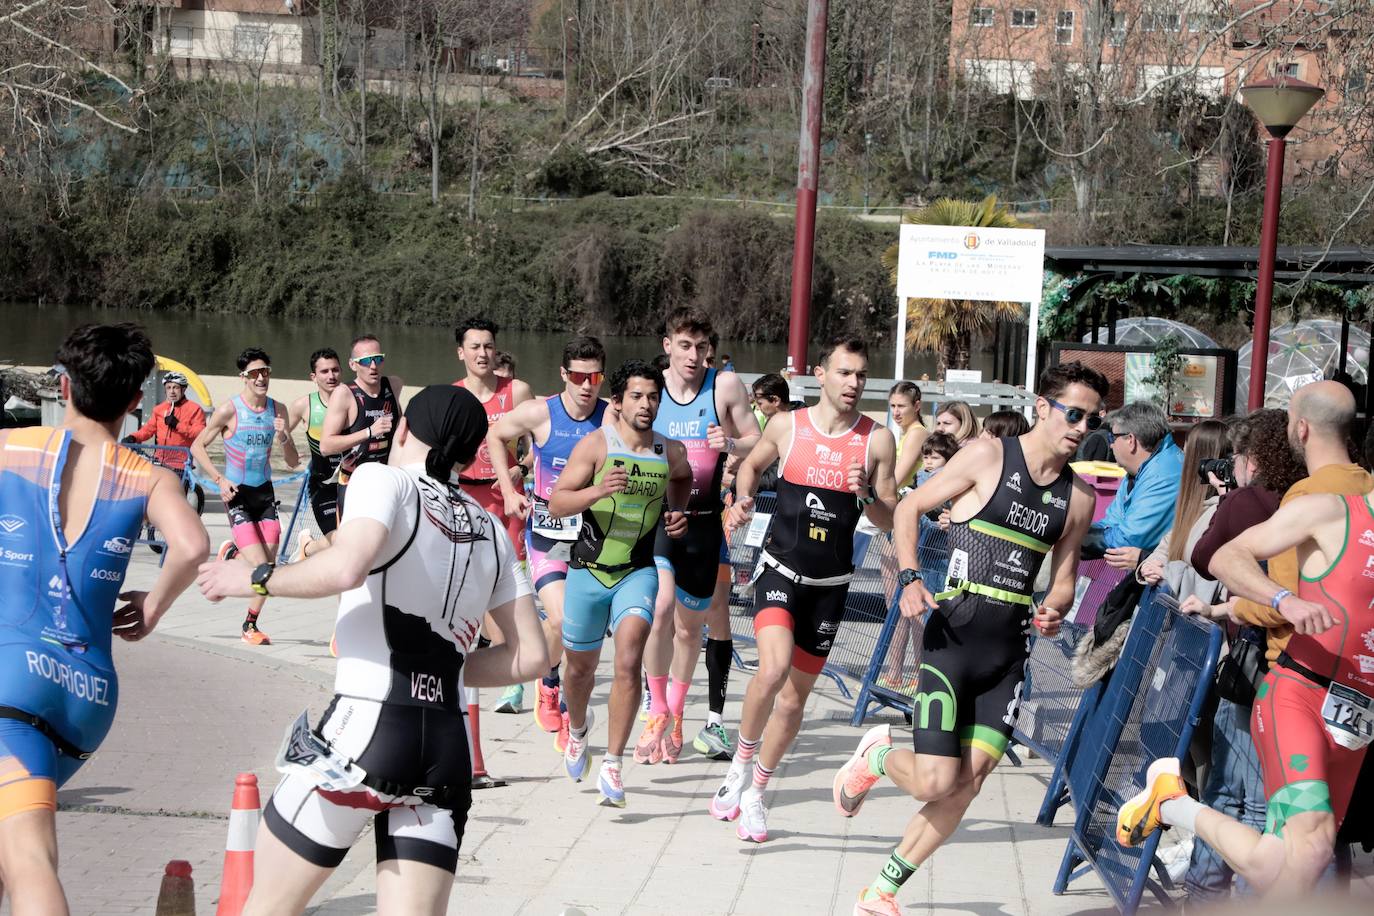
(1148, 710)
(148, 534)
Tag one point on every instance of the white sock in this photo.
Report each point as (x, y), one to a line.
(611, 761)
(714, 718)
(1181, 812)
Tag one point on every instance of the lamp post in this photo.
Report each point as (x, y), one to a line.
(1279, 104)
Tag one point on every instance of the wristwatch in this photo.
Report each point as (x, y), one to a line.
(869, 498)
(260, 576)
(908, 576)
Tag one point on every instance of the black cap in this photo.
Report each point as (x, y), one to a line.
(451, 421)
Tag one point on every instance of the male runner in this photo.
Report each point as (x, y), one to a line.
(419, 564)
(71, 504)
(618, 480)
(708, 412)
(1313, 717)
(323, 489)
(359, 422)
(250, 423)
(836, 465)
(1013, 501)
(556, 424)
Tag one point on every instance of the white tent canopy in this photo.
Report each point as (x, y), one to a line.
(1304, 352)
(1147, 331)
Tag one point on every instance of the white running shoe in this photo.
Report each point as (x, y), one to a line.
(612, 790)
(302, 545)
(753, 817)
(725, 803)
(575, 754)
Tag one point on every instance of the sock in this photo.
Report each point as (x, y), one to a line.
(744, 749)
(251, 618)
(578, 733)
(890, 880)
(677, 697)
(611, 760)
(551, 679)
(1181, 812)
(761, 776)
(658, 695)
(876, 757)
(715, 718)
(718, 655)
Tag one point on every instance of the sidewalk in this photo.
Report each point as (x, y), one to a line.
(199, 705)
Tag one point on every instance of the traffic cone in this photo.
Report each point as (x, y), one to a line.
(177, 896)
(237, 880)
(481, 779)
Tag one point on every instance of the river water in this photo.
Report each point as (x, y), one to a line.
(209, 343)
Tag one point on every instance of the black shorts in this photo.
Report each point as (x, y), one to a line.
(812, 612)
(324, 503)
(968, 691)
(251, 505)
(412, 746)
(694, 559)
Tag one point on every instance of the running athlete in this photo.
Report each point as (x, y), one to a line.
(556, 424)
(621, 480)
(835, 466)
(1313, 717)
(323, 489)
(1013, 501)
(420, 564)
(359, 422)
(708, 412)
(250, 423)
(71, 504)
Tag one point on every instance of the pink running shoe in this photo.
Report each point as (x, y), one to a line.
(854, 779)
(884, 904)
(649, 747)
(671, 749)
(753, 818)
(725, 803)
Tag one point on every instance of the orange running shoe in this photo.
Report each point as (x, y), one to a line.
(1140, 816)
(333, 645)
(227, 551)
(855, 779)
(546, 712)
(672, 743)
(649, 747)
(560, 740)
(882, 904)
(253, 636)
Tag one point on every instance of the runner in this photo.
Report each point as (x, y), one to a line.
(836, 465)
(422, 564)
(1313, 717)
(708, 411)
(1013, 501)
(618, 481)
(321, 486)
(556, 424)
(250, 423)
(72, 503)
(359, 422)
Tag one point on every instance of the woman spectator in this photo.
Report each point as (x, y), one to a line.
(1192, 514)
(955, 418)
(904, 401)
(1005, 424)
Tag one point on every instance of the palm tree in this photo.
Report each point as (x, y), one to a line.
(948, 326)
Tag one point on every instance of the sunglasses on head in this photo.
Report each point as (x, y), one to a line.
(582, 378)
(1076, 415)
(374, 359)
(260, 372)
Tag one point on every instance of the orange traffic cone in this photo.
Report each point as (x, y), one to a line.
(481, 779)
(177, 896)
(237, 880)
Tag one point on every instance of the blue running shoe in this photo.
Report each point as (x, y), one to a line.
(575, 754)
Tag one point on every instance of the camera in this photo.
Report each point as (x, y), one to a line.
(1223, 468)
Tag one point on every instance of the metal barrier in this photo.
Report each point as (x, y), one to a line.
(1148, 710)
(189, 484)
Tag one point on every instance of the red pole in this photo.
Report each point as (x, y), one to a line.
(1264, 288)
(808, 167)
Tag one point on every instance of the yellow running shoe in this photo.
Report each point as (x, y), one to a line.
(1140, 817)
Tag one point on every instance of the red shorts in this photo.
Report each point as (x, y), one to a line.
(489, 497)
(1304, 768)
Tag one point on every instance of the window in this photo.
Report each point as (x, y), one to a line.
(1356, 81)
(1118, 29)
(250, 41)
(1161, 22)
(1023, 19)
(1063, 27)
(1292, 71)
(181, 38)
(982, 16)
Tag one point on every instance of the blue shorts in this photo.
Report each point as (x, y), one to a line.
(31, 769)
(590, 608)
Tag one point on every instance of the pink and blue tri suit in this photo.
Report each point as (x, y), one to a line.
(248, 464)
(549, 539)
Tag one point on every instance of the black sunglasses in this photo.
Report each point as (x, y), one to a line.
(1076, 415)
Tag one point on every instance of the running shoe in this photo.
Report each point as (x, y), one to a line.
(1140, 816)
(647, 703)
(560, 740)
(854, 779)
(714, 742)
(333, 645)
(513, 700)
(881, 904)
(227, 551)
(546, 708)
(753, 818)
(609, 785)
(725, 803)
(575, 755)
(302, 542)
(672, 743)
(649, 747)
(253, 636)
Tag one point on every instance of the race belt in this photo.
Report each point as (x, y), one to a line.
(768, 561)
(987, 591)
(46, 730)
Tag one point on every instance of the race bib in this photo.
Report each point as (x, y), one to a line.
(958, 565)
(758, 527)
(305, 754)
(551, 526)
(1349, 716)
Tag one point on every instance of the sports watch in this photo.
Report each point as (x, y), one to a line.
(260, 576)
(908, 576)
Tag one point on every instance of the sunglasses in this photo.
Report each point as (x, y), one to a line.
(1113, 435)
(1076, 415)
(582, 378)
(375, 359)
(260, 372)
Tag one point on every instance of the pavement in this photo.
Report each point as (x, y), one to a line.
(199, 706)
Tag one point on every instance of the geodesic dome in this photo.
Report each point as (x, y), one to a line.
(1302, 352)
(1147, 331)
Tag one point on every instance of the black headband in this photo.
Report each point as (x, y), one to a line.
(451, 421)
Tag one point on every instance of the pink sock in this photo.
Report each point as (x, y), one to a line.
(761, 776)
(677, 697)
(658, 695)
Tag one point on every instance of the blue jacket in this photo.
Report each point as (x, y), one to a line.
(1144, 506)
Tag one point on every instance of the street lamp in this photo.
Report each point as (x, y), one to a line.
(1279, 104)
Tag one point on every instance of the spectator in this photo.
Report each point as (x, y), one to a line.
(904, 403)
(770, 395)
(503, 364)
(1005, 424)
(176, 422)
(1096, 445)
(1141, 512)
(726, 363)
(956, 418)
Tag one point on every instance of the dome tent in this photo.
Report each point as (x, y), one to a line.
(1303, 352)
